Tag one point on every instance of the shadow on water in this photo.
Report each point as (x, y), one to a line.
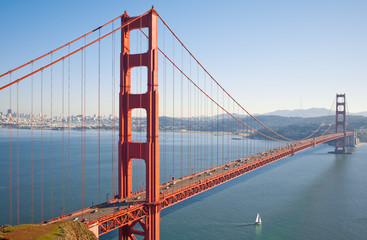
(314, 192)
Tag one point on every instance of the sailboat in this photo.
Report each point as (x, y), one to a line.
(258, 219)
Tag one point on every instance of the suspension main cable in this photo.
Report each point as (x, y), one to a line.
(75, 51)
(183, 45)
(347, 108)
(327, 130)
(219, 84)
(224, 91)
(215, 101)
(59, 48)
(322, 124)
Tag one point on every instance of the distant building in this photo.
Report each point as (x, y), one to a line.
(9, 111)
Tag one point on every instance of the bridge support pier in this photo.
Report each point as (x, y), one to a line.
(94, 229)
(149, 150)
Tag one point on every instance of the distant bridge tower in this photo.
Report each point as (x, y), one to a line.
(340, 123)
(149, 150)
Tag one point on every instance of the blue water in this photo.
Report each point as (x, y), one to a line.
(311, 195)
(192, 152)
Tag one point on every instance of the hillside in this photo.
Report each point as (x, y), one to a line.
(299, 128)
(67, 230)
(307, 113)
(290, 127)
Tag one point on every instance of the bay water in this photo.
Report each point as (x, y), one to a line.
(311, 195)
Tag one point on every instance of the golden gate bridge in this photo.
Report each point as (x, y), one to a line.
(74, 86)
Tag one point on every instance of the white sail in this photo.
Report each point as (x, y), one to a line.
(258, 219)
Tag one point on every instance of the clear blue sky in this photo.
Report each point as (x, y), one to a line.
(269, 54)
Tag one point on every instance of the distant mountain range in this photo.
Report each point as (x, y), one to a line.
(306, 113)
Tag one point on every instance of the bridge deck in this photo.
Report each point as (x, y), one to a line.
(118, 212)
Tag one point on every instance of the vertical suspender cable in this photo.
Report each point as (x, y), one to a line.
(137, 169)
(240, 150)
(205, 115)
(113, 112)
(32, 121)
(99, 121)
(229, 146)
(85, 115)
(42, 145)
(247, 137)
(189, 118)
(164, 109)
(217, 126)
(229, 132)
(10, 169)
(199, 101)
(137, 185)
(255, 150)
(63, 137)
(81, 129)
(203, 136)
(253, 140)
(18, 152)
(211, 126)
(138, 88)
(198, 135)
(51, 140)
(173, 110)
(197, 123)
(69, 120)
(181, 157)
(195, 128)
(223, 132)
(230, 127)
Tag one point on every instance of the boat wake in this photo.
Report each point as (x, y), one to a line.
(243, 224)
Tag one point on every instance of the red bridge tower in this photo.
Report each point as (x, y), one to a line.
(149, 150)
